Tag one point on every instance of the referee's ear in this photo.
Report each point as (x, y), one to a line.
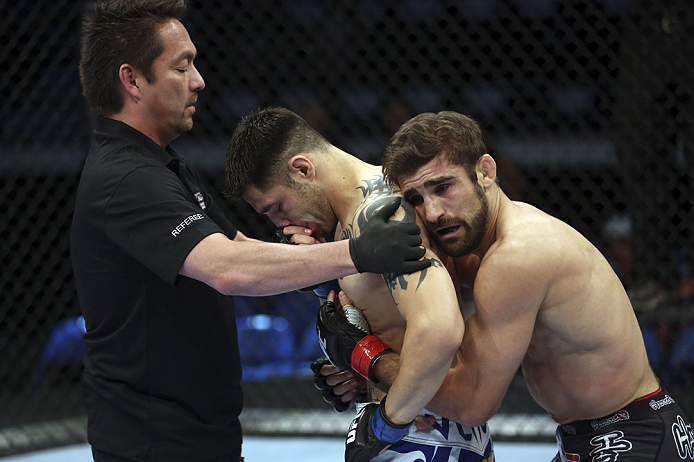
(129, 77)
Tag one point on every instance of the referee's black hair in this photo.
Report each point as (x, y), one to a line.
(117, 32)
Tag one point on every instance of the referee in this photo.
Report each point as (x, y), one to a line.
(155, 259)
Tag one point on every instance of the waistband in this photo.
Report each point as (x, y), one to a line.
(651, 404)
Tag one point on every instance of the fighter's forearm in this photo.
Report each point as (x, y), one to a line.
(420, 375)
(386, 370)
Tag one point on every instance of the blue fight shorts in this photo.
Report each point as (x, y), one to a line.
(446, 441)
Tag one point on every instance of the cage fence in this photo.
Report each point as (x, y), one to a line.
(585, 105)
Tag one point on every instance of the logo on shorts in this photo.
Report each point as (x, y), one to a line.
(352, 432)
(661, 403)
(618, 416)
(684, 438)
(609, 446)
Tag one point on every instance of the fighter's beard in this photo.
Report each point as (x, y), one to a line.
(473, 232)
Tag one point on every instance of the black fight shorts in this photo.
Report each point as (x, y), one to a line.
(650, 429)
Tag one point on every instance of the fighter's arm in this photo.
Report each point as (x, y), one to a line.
(248, 267)
(433, 334)
(508, 295)
(427, 301)
(508, 292)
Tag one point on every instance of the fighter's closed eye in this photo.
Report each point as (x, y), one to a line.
(441, 189)
(414, 199)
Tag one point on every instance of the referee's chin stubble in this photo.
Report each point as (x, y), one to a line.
(187, 119)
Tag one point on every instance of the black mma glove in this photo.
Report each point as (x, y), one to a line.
(371, 432)
(388, 246)
(329, 396)
(346, 345)
(321, 290)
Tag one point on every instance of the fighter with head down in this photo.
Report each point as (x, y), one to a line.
(286, 170)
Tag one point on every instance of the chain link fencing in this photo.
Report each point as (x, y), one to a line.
(586, 105)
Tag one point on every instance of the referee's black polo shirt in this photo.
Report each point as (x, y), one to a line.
(162, 369)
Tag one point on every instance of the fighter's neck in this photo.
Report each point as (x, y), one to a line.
(498, 205)
(351, 181)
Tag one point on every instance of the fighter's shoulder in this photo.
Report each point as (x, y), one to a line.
(511, 277)
(376, 196)
(375, 186)
(375, 201)
(529, 231)
(522, 255)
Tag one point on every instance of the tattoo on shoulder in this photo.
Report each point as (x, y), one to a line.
(377, 190)
(401, 281)
(367, 211)
(380, 192)
(392, 280)
(377, 186)
(347, 232)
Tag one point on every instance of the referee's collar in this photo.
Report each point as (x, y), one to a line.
(168, 156)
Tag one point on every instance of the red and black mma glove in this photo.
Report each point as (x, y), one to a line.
(371, 432)
(346, 345)
(328, 391)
